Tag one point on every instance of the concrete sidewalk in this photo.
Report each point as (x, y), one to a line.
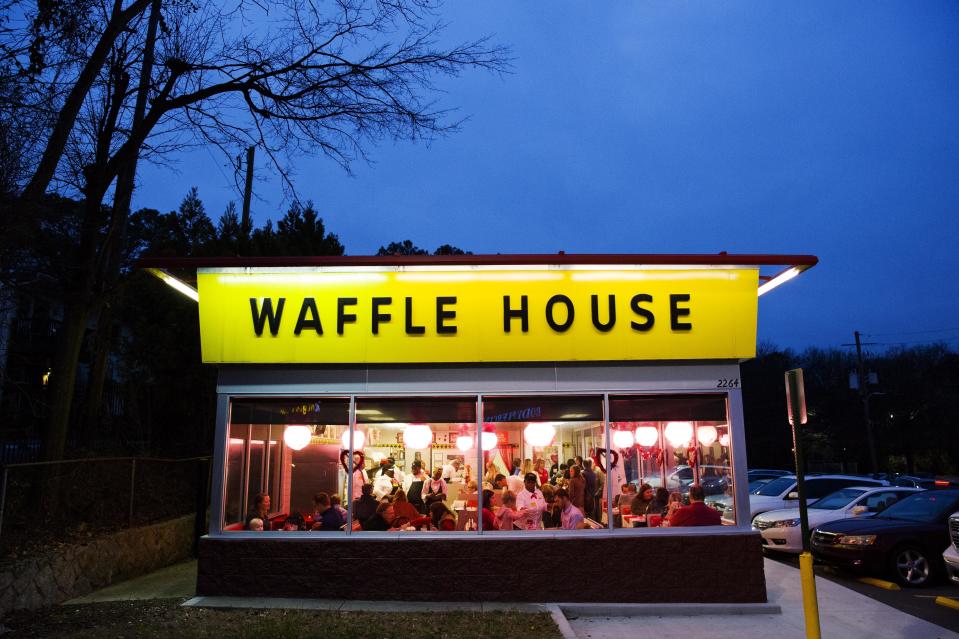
(172, 582)
(843, 613)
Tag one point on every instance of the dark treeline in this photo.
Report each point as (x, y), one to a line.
(914, 407)
(142, 387)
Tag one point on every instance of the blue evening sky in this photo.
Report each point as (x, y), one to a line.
(672, 127)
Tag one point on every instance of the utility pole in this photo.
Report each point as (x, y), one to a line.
(864, 396)
(247, 194)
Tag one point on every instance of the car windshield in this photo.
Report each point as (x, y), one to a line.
(776, 487)
(756, 484)
(839, 499)
(927, 507)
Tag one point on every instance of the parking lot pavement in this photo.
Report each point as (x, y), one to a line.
(919, 602)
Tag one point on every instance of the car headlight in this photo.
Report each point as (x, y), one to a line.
(786, 523)
(856, 540)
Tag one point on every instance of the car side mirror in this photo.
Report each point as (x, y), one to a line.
(793, 495)
(858, 510)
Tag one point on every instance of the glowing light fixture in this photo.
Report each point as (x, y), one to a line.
(173, 282)
(488, 440)
(679, 433)
(359, 440)
(297, 437)
(417, 436)
(780, 279)
(464, 443)
(724, 440)
(647, 436)
(539, 434)
(377, 457)
(706, 435)
(622, 439)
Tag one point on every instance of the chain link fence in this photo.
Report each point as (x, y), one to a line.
(49, 502)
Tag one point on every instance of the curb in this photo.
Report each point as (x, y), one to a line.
(948, 602)
(668, 609)
(878, 583)
(561, 621)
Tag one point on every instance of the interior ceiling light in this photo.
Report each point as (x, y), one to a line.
(724, 440)
(706, 435)
(647, 436)
(488, 440)
(359, 440)
(297, 437)
(622, 439)
(417, 436)
(464, 443)
(539, 434)
(678, 433)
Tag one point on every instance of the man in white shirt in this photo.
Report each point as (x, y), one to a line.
(398, 474)
(452, 472)
(570, 517)
(530, 504)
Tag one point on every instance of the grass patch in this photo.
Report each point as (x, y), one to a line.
(166, 618)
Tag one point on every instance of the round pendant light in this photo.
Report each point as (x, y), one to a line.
(297, 437)
(679, 433)
(622, 439)
(707, 435)
(359, 440)
(647, 436)
(417, 436)
(464, 443)
(488, 440)
(724, 440)
(539, 434)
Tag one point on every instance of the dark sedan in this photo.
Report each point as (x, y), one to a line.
(905, 541)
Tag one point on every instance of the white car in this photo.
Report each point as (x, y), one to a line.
(781, 530)
(781, 493)
(722, 502)
(951, 556)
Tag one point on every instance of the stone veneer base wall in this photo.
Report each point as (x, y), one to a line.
(723, 568)
(73, 570)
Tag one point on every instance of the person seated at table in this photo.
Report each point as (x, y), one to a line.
(617, 498)
(507, 514)
(325, 517)
(441, 517)
(551, 516)
(255, 524)
(402, 509)
(435, 489)
(294, 521)
(660, 501)
(380, 519)
(640, 504)
(675, 502)
(261, 511)
(570, 516)
(471, 494)
(335, 503)
(489, 519)
(697, 513)
(365, 507)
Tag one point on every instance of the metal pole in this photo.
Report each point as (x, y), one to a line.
(864, 396)
(3, 497)
(478, 438)
(349, 467)
(609, 465)
(133, 478)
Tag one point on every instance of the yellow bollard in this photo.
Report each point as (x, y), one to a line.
(810, 603)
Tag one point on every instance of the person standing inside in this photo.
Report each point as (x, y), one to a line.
(360, 478)
(414, 487)
(577, 487)
(530, 504)
(589, 494)
(434, 490)
(570, 516)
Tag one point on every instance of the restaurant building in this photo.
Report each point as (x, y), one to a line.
(335, 372)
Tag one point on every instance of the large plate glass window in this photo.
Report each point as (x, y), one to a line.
(282, 466)
(418, 467)
(666, 444)
(555, 441)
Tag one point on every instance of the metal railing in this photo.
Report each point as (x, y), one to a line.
(100, 493)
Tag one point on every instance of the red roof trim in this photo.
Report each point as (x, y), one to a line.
(806, 261)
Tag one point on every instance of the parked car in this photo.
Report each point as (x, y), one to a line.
(917, 482)
(905, 541)
(766, 473)
(781, 493)
(722, 502)
(951, 555)
(781, 530)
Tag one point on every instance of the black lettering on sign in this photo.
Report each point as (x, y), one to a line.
(442, 315)
(410, 328)
(675, 312)
(611, 321)
(378, 317)
(261, 316)
(308, 306)
(645, 313)
(509, 314)
(570, 313)
(342, 317)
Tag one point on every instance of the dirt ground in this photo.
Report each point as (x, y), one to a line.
(166, 618)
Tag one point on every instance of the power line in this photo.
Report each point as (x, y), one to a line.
(935, 330)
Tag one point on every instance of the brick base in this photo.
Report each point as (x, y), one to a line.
(725, 568)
